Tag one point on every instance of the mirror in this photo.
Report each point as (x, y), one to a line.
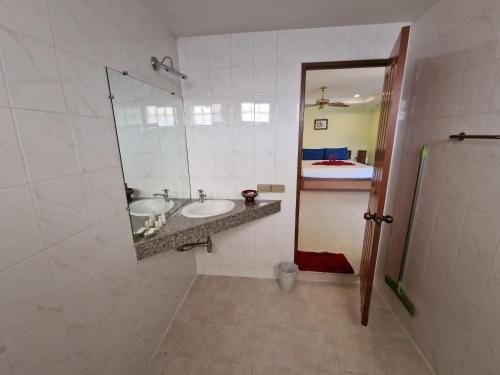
(152, 141)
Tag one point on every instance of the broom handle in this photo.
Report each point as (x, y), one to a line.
(424, 153)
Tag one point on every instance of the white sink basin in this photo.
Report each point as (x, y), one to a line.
(208, 208)
(145, 207)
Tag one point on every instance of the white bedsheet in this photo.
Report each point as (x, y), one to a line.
(357, 170)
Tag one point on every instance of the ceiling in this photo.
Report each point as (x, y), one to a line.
(202, 17)
(343, 84)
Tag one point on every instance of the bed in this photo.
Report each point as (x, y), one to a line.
(357, 176)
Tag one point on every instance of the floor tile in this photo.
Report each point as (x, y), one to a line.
(182, 366)
(230, 325)
(234, 344)
(190, 339)
(218, 368)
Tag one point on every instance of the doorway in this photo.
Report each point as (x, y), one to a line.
(374, 216)
(339, 134)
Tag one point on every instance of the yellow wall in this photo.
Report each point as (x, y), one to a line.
(354, 127)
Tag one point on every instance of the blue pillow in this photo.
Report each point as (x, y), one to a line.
(336, 153)
(313, 153)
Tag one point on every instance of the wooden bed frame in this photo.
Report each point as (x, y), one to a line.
(361, 184)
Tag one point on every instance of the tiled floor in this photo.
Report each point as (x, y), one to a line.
(243, 326)
(333, 221)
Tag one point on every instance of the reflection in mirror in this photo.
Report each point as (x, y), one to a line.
(152, 141)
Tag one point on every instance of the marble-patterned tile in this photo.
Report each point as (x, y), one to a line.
(220, 82)
(242, 81)
(484, 343)
(234, 344)
(73, 261)
(288, 79)
(84, 85)
(264, 44)
(57, 157)
(60, 208)
(29, 17)
(174, 365)
(363, 42)
(71, 24)
(107, 39)
(194, 340)
(104, 193)
(265, 80)
(87, 317)
(402, 357)
(193, 52)
(312, 45)
(19, 240)
(338, 43)
(33, 354)
(4, 100)
(114, 250)
(32, 75)
(217, 368)
(4, 366)
(219, 50)
(485, 186)
(360, 354)
(471, 365)
(11, 162)
(27, 295)
(92, 143)
(241, 50)
(288, 47)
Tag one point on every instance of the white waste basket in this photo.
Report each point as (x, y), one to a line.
(287, 275)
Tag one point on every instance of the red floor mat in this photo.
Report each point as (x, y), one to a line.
(323, 262)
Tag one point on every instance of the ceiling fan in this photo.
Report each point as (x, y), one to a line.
(322, 102)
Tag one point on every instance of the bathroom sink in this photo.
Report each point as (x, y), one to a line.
(208, 208)
(145, 207)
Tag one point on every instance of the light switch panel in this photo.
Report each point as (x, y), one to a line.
(277, 188)
(264, 188)
(270, 188)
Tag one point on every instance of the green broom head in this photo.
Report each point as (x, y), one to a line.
(397, 288)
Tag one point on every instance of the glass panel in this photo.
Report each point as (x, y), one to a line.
(152, 139)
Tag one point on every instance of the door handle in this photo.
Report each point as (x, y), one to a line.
(384, 219)
(368, 216)
(378, 219)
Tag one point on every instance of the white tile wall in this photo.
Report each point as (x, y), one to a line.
(452, 269)
(248, 87)
(73, 297)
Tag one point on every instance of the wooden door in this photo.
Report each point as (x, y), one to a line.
(387, 124)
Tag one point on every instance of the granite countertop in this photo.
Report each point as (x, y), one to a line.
(138, 221)
(180, 230)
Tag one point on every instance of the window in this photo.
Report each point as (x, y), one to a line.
(217, 113)
(160, 116)
(247, 112)
(262, 113)
(128, 116)
(202, 115)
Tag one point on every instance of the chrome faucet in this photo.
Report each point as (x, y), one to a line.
(202, 197)
(164, 194)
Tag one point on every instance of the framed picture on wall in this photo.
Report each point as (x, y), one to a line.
(321, 124)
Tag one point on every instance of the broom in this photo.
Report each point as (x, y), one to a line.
(397, 286)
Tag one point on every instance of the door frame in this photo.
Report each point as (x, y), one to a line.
(348, 64)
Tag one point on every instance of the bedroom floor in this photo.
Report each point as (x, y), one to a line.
(245, 326)
(333, 221)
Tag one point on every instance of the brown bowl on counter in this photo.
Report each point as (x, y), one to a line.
(249, 196)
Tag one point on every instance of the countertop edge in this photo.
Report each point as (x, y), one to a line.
(201, 231)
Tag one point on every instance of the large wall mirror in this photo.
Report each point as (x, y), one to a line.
(152, 141)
